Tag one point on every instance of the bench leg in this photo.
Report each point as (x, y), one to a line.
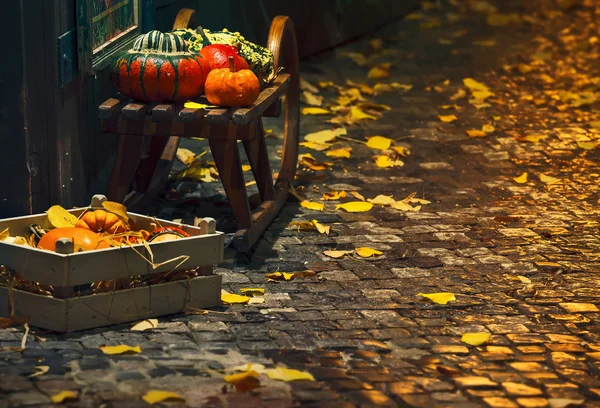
(227, 158)
(126, 164)
(256, 150)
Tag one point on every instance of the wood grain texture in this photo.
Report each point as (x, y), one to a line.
(267, 97)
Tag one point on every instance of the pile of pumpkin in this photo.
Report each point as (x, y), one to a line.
(184, 64)
(96, 228)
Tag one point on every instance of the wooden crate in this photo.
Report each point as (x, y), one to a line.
(68, 312)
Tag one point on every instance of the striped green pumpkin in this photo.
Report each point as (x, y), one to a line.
(160, 68)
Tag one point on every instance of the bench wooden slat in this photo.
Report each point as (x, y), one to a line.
(111, 107)
(134, 111)
(266, 98)
(192, 114)
(162, 112)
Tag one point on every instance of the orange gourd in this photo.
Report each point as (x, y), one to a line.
(228, 87)
(83, 239)
(101, 221)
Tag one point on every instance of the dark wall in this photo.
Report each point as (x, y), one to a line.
(14, 191)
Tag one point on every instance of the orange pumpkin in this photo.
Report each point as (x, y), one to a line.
(83, 239)
(101, 221)
(228, 87)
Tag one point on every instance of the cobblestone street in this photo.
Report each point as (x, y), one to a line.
(520, 253)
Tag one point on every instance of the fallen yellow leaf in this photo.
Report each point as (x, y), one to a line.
(288, 374)
(487, 128)
(156, 396)
(195, 105)
(279, 276)
(301, 225)
(323, 229)
(379, 142)
(185, 156)
(439, 298)
(232, 298)
(401, 150)
(384, 161)
(40, 370)
(357, 114)
(312, 99)
(383, 88)
(365, 252)
(355, 206)
(246, 381)
(246, 167)
(531, 138)
(587, 145)
(461, 93)
(315, 146)
(382, 200)
(315, 111)
(404, 206)
(336, 254)
(522, 179)
(59, 217)
(251, 292)
(549, 179)
(475, 86)
(474, 133)
(476, 339)
(447, 118)
(145, 325)
(343, 152)
(64, 396)
(333, 196)
(325, 136)
(121, 349)
(379, 72)
(312, 205)
(356, 194)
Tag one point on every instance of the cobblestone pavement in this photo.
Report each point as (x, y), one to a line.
(521, 258)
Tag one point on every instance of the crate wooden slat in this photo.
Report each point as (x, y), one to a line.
(86, 312)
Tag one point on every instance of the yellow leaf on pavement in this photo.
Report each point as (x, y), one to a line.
(587, 145)
(312, 205)
(382, 200)
(64, 396)
(474, 133)
(522, 179)
(487, 128)
(379, 72)
(384, 161)
(379, 142)
(232, 298)
(121, 349)
(246, 381)
(145, 325)
(357, 114)
(383, 88)
(312, 99)
(288, 374)
(315, 111)
(333, 196)
(59, 217)
(251, 292)
(404, 206)
(439, 298)
(336, 254)
(549, 179)
(156, 396)
(531, 138)
(315, 146)
(246, 167)
(356, 194)
(475, 86)
(344, 153)
(355, 206)
(447, 118)
(323, 229)
(476, 339)
(186, 156)
(304, 225)
(325, 136)
(401, 150)
(40, 370)
(307, 86)
(279, 276)
(365, 252)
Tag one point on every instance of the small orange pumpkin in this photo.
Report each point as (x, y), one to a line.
(83, 239)
(228, 87)
(101, 221)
